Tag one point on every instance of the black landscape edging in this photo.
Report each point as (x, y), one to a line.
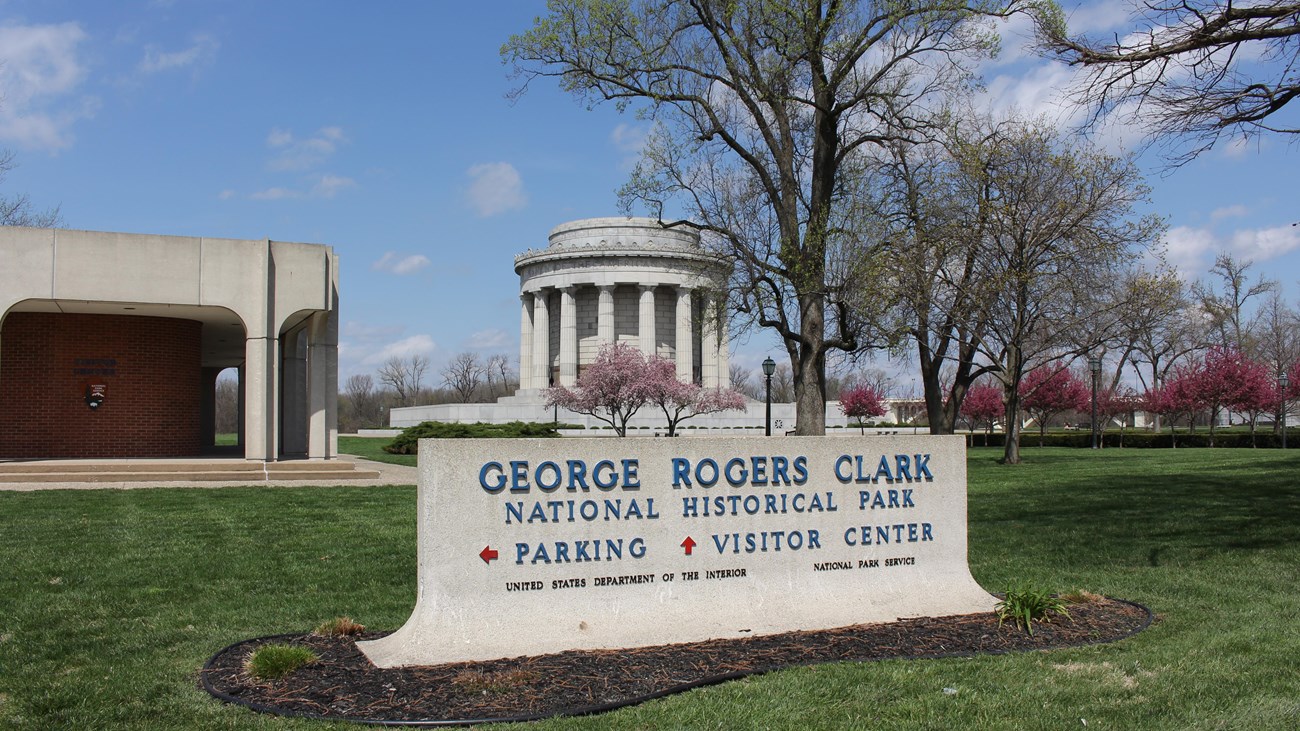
(605, 707)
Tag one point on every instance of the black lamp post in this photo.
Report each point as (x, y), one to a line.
(1094, 365)
(769, 367)
(1283, 382)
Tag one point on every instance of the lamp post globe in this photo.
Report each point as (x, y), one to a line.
(769, 367)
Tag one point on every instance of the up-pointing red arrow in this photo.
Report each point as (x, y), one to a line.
(488, 555)
(688, 544)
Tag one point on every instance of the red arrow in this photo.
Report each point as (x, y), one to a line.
(688, 544)
(488, 555)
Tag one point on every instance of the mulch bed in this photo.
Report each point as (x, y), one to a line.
(343, 685)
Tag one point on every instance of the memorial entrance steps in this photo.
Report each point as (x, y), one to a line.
(181, 470)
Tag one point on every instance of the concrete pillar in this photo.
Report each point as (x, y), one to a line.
(645, 324)
(709, 344)
(724, 346)
(568, 338)
(323, 385)
(261, 399)
(685, 336)
(605, 315)
(526, 341)
(541, 341)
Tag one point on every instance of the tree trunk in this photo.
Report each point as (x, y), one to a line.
(1011, 450)
(810, 382)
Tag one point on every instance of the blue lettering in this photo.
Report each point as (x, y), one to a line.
(552, 486)
(800, 470)
(733, 480)
(496, 486)
(699, 472)
(922, 465)
(630, 480)
(519, 476)
(780, 471)
(843, 459)
(681, 472)
(759, 470)
(578, 475)
(608, 466)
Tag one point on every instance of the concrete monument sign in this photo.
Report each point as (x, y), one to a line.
(535, 546)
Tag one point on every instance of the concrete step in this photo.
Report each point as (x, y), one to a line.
(52, 471)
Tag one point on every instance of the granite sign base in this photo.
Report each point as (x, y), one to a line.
(530, 547)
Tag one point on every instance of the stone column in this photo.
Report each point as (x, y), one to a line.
(541, 341)
(323, 385)
(605, 315)
(709, 344)
(645, 325)
(526, 341)
(685, 336)
(724, 362)
(568, 337)
(261, 398)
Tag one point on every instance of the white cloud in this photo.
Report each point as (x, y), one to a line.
(1192, 249)
(1187, 248)
(495, 188)
(1234, 211)
(275, 194)
(487, 340)
(38, 79)
(400, 265)
(629, 139)
(326, 186)
(303, 154)
(330, 185)
(1264, 244)
(404, 348)
(202, 51)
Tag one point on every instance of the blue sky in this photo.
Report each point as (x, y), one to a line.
(382, 129)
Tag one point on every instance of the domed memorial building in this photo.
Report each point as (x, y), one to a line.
(628, 280)
(607, 280)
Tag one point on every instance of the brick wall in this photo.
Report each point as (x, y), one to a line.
(150, 368)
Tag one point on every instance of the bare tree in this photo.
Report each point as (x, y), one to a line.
(1061, 231)
(741, 380)
(1227, 309)
(1194, 69)
(463, 374)
(227, 406)
(361, 404)
(497, 371)
(765, 114)
(17, 210)
(404, 377)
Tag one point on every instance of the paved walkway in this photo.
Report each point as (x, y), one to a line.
(389, 474)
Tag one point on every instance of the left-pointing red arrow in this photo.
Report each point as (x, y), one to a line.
(488, 555)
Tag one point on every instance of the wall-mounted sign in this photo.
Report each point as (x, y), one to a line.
(536, 546)
(95, 393)
(94, 366)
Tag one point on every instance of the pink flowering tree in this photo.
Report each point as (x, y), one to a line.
(680, 401)
(612, 389)
(1050, 390)
(1116, 404)
(863, 402)
(1256, 393)
(1180, 395)
(1228, 381)
(983, 405)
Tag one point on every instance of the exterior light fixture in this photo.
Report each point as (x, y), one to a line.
(1094, 365)
(769, 367)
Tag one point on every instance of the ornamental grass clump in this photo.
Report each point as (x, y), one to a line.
(271, 662)
(339, 627)
(1026, 605)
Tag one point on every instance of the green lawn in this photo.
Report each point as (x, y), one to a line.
(110, 601)
(373, 448)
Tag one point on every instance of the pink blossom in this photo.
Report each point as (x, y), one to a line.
(862, 402)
